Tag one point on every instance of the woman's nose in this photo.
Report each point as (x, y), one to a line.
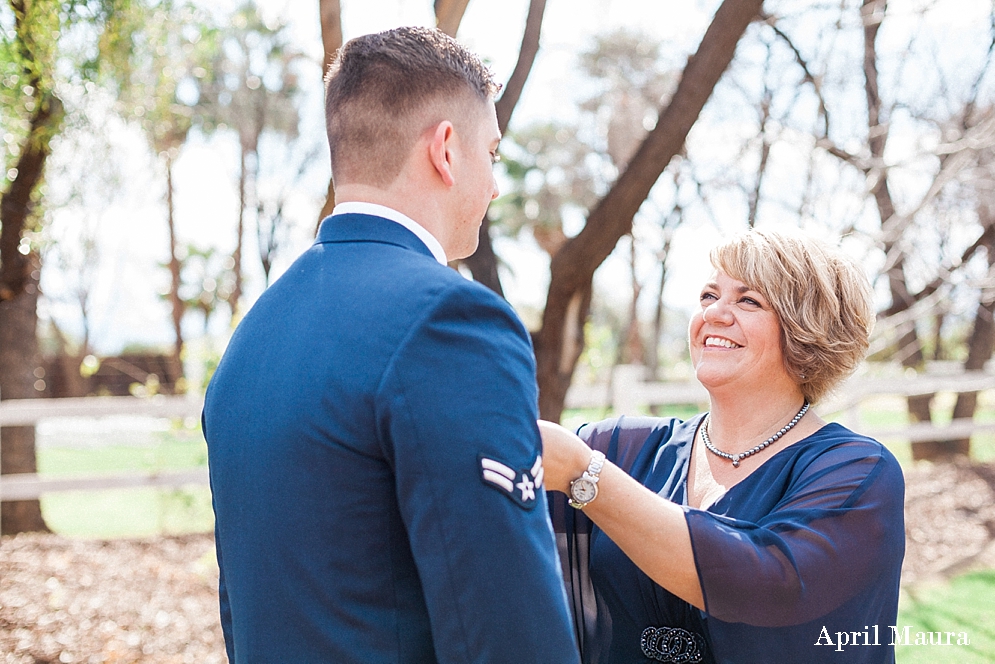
(717, 313)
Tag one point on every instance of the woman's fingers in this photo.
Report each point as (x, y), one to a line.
(565, 456)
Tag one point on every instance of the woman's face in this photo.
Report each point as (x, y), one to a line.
(735, 338)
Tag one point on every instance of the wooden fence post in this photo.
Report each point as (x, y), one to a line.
(626, 381)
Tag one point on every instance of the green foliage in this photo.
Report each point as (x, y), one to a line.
(251, 81)
(28, 59)
(45, 44)
(165, 50)
(600, 350)
(561, 168)
(548, 166)
(207, 279)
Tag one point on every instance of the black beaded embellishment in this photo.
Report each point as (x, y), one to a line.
(736, 458)
(672, 644)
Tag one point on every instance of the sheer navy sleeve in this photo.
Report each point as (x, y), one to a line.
(592, 620)
(840, 523)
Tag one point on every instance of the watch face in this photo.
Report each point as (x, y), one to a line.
(583, 490)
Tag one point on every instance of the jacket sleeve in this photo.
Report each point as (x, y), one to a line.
(225, 605)
(838, 530)
(223, 602)
(456, 414)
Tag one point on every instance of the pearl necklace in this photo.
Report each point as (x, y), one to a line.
(735, 458)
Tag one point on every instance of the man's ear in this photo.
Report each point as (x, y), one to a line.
(439, 151)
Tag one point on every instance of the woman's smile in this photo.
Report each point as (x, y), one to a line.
(720, 342)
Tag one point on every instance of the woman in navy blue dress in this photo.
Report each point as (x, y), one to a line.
(755, 532)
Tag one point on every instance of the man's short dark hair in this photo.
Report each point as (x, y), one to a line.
(377, 85)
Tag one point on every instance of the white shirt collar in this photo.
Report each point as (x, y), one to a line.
(361, 207)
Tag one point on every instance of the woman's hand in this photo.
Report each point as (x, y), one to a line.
(565, 456)
(650, 529)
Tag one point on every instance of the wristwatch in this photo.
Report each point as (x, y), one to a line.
(584, 489)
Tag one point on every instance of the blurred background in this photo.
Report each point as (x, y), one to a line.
(165, 161)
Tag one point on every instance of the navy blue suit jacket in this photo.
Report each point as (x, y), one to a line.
(375, 467)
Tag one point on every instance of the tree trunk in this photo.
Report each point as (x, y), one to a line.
(634, 351)
(236, 257)
(910, 347)
(175, 301)
(938, 321)
(483, 263)
(449, 14)
(20, 269)
(572, 268)
(658, 318)
(330, 12)
(754, 201)
(980, 347)
(18, 361)
(505, 106)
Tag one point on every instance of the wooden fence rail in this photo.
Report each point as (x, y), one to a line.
(25, 412)
(29, 486)
(20, 412)
(627, 393)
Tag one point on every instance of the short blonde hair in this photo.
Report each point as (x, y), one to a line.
(821, 298)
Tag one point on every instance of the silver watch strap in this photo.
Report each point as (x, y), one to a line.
(597, 463)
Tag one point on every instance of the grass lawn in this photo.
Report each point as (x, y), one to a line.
(962, 605)
(140, 512)
(137, 512)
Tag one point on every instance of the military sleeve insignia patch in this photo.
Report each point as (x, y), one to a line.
(521, 485)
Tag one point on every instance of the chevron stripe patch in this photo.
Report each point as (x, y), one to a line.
(520, 485)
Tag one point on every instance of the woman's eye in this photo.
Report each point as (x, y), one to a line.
(707, 296)
(750, 301)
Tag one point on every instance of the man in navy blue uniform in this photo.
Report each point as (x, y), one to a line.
(374, 454)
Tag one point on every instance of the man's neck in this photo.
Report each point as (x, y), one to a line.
(381, 206)
(417, 208)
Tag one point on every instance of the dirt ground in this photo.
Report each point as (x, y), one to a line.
(154, 601)
(119, 601)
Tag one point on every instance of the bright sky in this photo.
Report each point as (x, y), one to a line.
(125, 306)
(133, 227)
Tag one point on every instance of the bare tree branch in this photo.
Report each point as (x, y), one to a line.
(765, 103)
(955, 157)
(986, 240)
(449, 14)
(331, 39)
(557, 343)
(809, 77)
(526, 58)
(976, 84)
(483, 263)
(330, 12)
(857, 162)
